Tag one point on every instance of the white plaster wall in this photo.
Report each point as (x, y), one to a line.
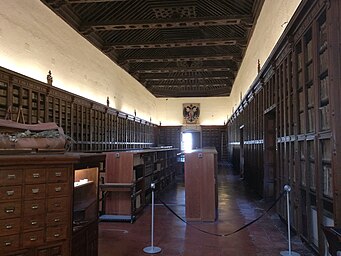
(213, 110)
(34, 40)
(271, 23)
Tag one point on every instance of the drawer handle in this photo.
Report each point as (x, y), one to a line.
(8, 243)
(36, 175)
(35, 206)
(58, 189)
(35, 190)
(10, 192)
(9, 226)
(56, 205)
(11, 176)
(56, 220)
(57, 235)
(9, 210)
(33, 238)
(58, 174)
(33, 222)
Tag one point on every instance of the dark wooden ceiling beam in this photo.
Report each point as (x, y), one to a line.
(186, 79)
(189, 75)
(184, 87)
(182, 70)
(91, 1)
(205, 92)
(190, 95)
(178, 44)
(229, 56)
(245, 20)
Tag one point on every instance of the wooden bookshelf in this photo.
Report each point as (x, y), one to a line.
(92, 126)
(128, 177)
(299, 88)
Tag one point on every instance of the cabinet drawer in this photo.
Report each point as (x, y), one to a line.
(33, 176)
(35, 191)
(56, 233)
(34, 238)
(55, 219)
(58, 204)
(34, 207)
(9, 227)
(9, 243)
(10, 193)
(11, 177)
(10, 210)
(33, 222)
(57, 175)
(55, 250)
(57, 189)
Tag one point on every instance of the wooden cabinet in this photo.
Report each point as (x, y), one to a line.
(128, 177)
(35, 204)
(124, 184)
(200, 185)
(85, 204)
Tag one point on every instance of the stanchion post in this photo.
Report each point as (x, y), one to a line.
(287, 189)
(152, 249)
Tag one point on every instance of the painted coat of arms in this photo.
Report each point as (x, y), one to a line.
(191, 113)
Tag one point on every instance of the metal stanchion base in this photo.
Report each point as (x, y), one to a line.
(152, 249)
(287, 253)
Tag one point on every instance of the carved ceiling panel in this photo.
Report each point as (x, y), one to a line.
(175, 48)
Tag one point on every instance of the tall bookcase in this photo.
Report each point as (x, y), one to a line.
(292, 112)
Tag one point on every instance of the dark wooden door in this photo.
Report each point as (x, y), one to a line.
(269, 155)
(241, 152)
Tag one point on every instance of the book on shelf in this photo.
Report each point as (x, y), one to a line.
(303, 174)
(327, 181)
(325, 113)
(324, 89)
(312, 176)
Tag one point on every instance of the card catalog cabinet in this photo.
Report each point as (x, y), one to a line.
(35, 204)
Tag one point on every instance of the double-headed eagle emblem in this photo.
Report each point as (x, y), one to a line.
(191, 113)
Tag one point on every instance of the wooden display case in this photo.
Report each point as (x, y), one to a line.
(200, 185)
(86, 204)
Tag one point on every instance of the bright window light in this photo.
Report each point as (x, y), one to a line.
(187, 141)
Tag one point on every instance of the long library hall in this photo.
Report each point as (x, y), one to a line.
(238, 205)
(178, 128)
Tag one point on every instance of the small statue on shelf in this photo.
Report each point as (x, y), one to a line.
(49, 78)
(108, 102)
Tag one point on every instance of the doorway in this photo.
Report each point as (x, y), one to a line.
(190, 140)
(241, 152)
(269, 155)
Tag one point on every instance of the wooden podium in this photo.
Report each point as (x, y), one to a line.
(200, 185)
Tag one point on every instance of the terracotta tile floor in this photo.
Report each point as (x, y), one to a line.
(237, 206)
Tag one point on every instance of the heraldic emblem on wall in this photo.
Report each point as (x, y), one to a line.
(191, 112)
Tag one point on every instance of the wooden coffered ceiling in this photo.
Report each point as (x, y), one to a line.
(175, 48)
